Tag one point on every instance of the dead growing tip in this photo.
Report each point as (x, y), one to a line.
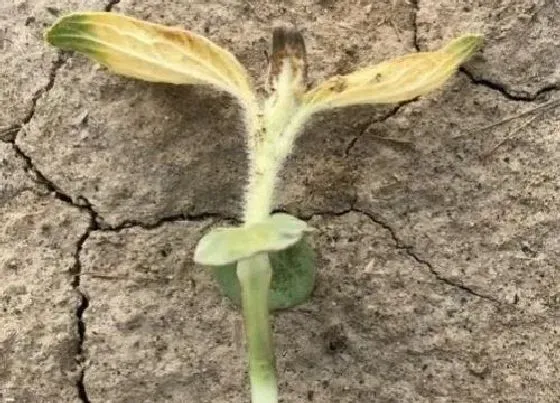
(287, 39)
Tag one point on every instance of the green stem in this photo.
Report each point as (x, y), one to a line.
(254, 276)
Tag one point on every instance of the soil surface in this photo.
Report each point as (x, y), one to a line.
(438, 220)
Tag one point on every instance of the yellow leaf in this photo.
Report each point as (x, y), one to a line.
(150, 52)
(397, 80)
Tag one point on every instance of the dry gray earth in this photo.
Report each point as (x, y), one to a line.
(439, 220)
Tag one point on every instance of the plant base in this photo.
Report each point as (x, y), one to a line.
(293, 277)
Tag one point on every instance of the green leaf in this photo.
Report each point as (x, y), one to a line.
(228, 245)
(293, 277)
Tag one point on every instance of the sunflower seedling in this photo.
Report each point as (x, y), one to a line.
(266, 264)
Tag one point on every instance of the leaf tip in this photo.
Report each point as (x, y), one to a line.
(66, 28)
(50, 32)
(202, 252)
(465, 46)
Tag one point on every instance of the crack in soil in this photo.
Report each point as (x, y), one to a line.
(178, 217)
(409, 250)
(39, 178)
(366, 127)
(82, 393)
(511, 95)
(77, 268)
(109, 6)
(9, 135)
(85, 206)
(84, 303)
(416, 5)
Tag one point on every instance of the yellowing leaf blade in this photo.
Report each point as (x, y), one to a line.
(397, 80)
(150, 52)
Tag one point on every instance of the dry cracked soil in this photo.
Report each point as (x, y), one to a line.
(438, 220)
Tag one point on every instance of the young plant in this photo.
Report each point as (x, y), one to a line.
(265, 264)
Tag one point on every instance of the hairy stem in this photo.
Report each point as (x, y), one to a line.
(260, 191)
(254, 276)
